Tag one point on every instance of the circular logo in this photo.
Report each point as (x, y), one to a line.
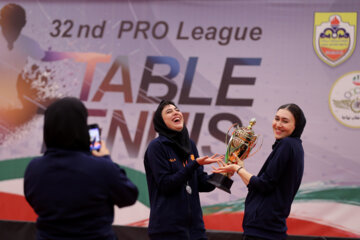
(344, 100)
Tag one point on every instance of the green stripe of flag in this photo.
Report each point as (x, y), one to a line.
(15, 168)
(340, 194)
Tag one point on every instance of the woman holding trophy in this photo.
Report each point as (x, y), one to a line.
(272, 191)
(175, 176)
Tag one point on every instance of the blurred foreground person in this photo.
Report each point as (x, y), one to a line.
(72, 190)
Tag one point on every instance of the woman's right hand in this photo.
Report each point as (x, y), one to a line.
(232, 168)
(208, 160)
(103, 151)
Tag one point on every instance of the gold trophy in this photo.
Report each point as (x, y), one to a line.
(243, 140)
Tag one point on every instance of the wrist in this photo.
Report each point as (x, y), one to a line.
(238, 170)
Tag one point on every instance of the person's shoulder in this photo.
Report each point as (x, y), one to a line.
(290, 142)
(104, 160)
(36, 164)
(153, 142)
(35, 160)
(158, 141)
(102, 165)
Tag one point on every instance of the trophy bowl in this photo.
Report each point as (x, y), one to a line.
(242, 141)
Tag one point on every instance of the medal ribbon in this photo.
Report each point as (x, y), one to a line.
(187, 187)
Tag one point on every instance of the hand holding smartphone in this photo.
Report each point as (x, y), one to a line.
(95, 137)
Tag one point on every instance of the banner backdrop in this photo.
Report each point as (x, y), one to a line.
(221, 62)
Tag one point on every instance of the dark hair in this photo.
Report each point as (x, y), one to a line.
(300, 120)
(65, 125)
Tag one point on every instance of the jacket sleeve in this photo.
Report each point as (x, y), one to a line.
(204, 185)
(273, 169)
(122, 191)
(166, 180)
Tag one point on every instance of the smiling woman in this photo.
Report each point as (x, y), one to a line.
(273, 190)
(173, 118)
(283, 123)
(175, 176)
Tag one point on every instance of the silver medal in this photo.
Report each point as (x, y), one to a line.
(188, 189)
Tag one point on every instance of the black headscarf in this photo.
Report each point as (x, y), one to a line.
(300, 120)
(180, 139)
(65, 125)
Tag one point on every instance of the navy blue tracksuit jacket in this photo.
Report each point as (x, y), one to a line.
(174, 213)
(272, 191)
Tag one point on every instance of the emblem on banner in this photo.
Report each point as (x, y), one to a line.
(344, 100)
(334, 36)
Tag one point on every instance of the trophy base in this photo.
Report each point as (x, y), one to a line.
(220, 181)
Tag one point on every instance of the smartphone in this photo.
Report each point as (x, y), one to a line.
(95, 137)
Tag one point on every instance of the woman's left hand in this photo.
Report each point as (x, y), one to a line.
(208, 160)
(224, 168)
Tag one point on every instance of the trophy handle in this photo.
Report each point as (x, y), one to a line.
(255, 142)
(227, 134)
(226, 139)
